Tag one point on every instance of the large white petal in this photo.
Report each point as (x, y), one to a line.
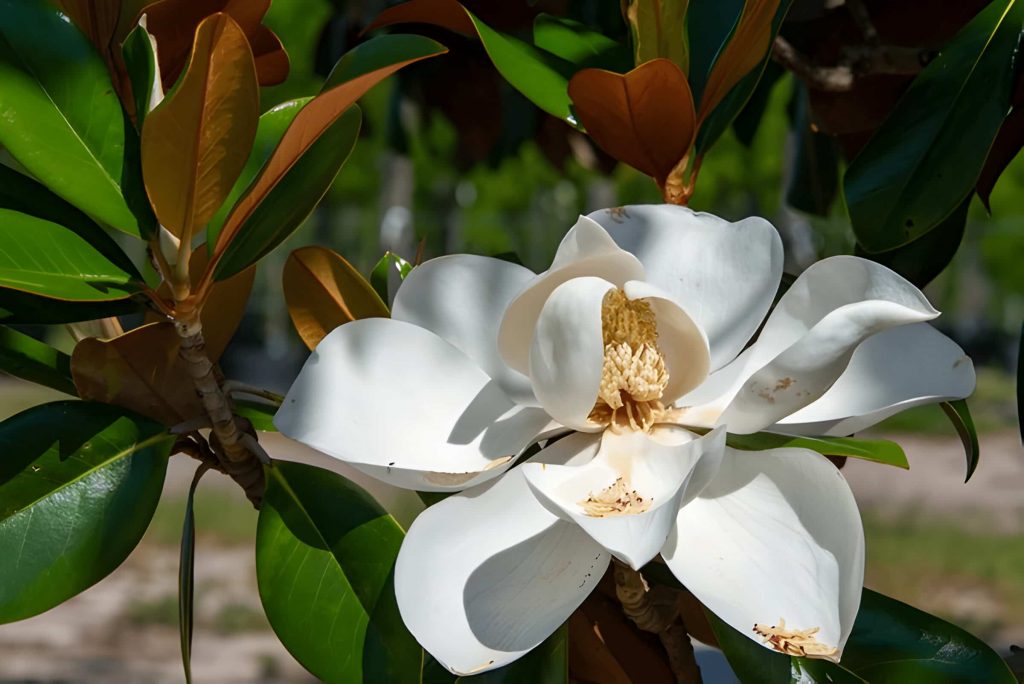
(462, 298)
(890, 372)
(403, 405)
(723, 274)
(808, 341)
(486, 575)
(775, 536)
(586, 250)
(661, 471)
(567, 354)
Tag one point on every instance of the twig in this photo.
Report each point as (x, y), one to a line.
(235, 387)
(656, 612)
(855, 61)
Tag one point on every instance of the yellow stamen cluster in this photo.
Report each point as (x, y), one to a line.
(633, 378)
(615, 499)
(795, 642)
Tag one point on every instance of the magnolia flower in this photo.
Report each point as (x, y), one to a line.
(633, 347)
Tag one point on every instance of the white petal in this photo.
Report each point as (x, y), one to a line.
(403, 405)
(775, 536)
(680, 339)
(462, 298)
(890, 372)
(660, 473)
(567, 354)
(723, 274)
(586, 250)
(485, 575)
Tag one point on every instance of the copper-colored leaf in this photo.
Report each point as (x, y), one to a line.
(748, 45)
(645, 118)
(590, 661)
(195, 143)
(324, 291)
(139, 370)
(174, 22)
(448, 14)
(308, 125)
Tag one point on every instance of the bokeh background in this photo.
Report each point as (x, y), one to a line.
(422, 175)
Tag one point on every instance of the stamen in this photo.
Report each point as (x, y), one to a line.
(615, 499)
(795, 642)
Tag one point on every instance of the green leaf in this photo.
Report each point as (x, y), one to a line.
(926, 257)
(708, 26)
(548, 663)
(747, 122)
(28, 358)
(379, 52)
(876, 450)
(325, 554)
(380, 275)
(139, 51)
(260, 414)
(927, 156)
(579, 44)
(40, 257)
(78, 485)
(292, 199)
(187, 575)
(273, 123)
(62, 119)
(960, 416)
(17, 308)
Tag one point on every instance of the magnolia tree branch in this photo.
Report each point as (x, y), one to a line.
(856, 62)
(655, 611)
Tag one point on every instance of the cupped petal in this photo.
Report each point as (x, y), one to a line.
(650, 476)
(774, 541)
(586, 250)
(808, 341)
(399, 403)
(725, 275)
(461, 298)
(567, 354)
(681, 341)
(890, 372)
(486, 575)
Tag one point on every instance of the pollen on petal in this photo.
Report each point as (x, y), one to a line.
(795, 642)
(615, 499)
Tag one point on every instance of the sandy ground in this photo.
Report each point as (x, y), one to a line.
(93, 638)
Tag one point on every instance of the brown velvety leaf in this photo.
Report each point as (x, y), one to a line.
(590, 661)
(173, 23)
(447, 14)
(644, 118)
(309, 124)
(748, 45)
(195, 143)
(323, 291)
(139, 370)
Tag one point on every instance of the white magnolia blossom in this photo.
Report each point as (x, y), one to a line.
(634, 344)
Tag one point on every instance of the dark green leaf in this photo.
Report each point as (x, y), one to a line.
(927, 156)
(579, 44)
(747, 122)
(140, 59)
(876, 450)
(325, 554)
(78, 485)
(42, 258)
(926, 257)
(708, 26)
(960, 416)
(28, 358)
(293, 198)
(379, 52)
(814, 181)
(62, 119)
(187, 575)
(23, 308)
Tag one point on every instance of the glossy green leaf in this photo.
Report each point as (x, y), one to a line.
(548, 663)
(18, 308)
(78, 485)
(62, 119)
(292, 199)
(876, 450)
(43, 258)
(708, 27)
(927, 156)
(325, 554)
(139, 51)
(926, 257)
(960, 416)
(28, 358)
(380, 276)
(379, 52)
(579, 44)
(187, 575)
(260, 414)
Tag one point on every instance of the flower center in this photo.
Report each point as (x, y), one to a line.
(615, 499)
(795, 642)
(633, 378)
